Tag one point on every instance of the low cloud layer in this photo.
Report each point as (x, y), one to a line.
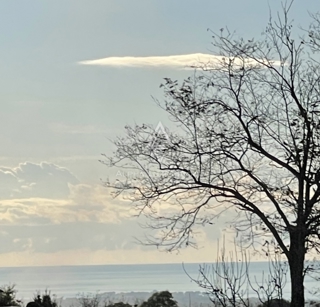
(173, 61)
(88, 218)
(45, 210)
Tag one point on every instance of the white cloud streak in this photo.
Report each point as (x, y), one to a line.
(174, 61)
(183, 61)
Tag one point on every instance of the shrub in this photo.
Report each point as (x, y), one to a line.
(160, 299)
(276, 302)
(43, 300)
(8, 296)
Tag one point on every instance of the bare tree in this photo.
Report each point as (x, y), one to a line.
(226, 282)
(269, 289)
(247, 137)
(229, 281)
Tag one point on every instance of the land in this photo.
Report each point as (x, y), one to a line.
(184, 299)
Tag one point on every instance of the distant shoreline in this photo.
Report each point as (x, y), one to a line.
(118, 264)
(184, 299)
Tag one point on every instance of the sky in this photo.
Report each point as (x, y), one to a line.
(73, 74)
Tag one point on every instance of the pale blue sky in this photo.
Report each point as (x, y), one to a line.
(58, 113)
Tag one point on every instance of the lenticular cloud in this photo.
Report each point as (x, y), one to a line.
(184, 61)
(174, 61)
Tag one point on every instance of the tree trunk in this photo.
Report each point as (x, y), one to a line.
(296, 265)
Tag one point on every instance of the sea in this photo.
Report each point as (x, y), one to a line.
(72, 281)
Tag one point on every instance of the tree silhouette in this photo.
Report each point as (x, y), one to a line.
(247, 138)
(160, 299)
(8, 296)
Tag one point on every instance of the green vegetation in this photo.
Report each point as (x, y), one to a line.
(157, 299)
(45, 300)
(8, 296)
(160, 299)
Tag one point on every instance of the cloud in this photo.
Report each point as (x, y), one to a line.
(87, 218)
(85, 203)
(35, 222)
(35, 180)
(44, 208)
(174, 61)
(183, 61)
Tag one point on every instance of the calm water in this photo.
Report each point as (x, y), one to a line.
(68, 281)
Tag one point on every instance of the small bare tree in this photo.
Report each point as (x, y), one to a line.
(89, 300)
(228, 282)
(270, 288)
(248, 138)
